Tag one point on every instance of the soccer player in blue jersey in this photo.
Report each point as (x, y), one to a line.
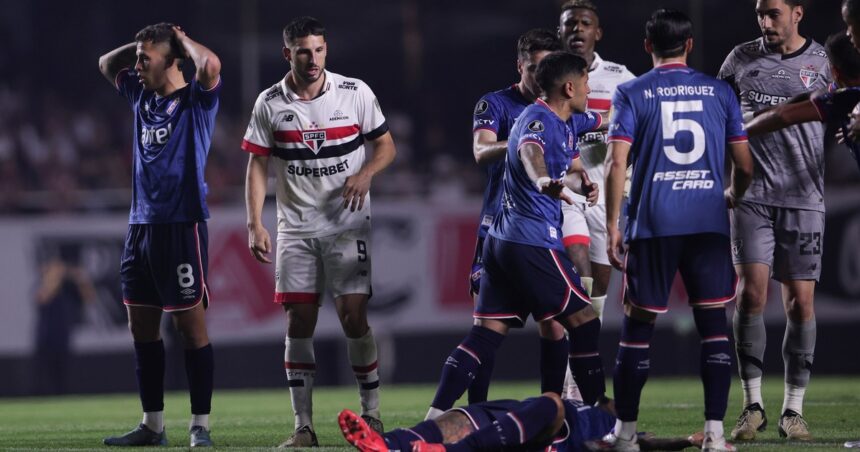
(164, 263)
(832, 106)
(674, 124)
(526, 271)
(537, 423)
(494, 117)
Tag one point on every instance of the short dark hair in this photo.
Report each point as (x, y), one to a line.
(842, 54)
(536, 40)
(162, 32)
(668, 30)
(556, 66)
(301, 27)
(853, 8)
(793, 3)
(579, 4)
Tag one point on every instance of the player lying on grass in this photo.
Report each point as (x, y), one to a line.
(538, 423)
(834, 105)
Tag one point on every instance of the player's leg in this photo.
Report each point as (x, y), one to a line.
(601, 270)
(530, 425)
(753, 250)
(495, 312)
(182, 272)
(480, 387)
(710, 279)
(797, 264)
(553, 356)
(347, 266)
(555, 289)
(576, 241)
(651, 265)
(144, 321)
(298, 286)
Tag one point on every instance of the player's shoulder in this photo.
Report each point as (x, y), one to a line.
(615, 69)
(270, 95)
(345, 86)
(816, 51)
(749, 49)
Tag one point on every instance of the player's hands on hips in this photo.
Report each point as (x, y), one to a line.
(355, 189)
(615, 247)
(259, 243)
(553, 188)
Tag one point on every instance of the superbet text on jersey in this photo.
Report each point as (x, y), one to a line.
(317, 144)
(678, 122)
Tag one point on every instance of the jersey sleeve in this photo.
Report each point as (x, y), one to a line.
(626, 75)
(258, 137)
(128, 85)
(728, 71)
(535, 132)
(206, 98)
(583, 123)
(370, 117)
(735, 131)
(835, 105)
(487, 115)
(623, 122)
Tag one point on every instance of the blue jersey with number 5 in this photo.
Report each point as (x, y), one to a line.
(677, 121)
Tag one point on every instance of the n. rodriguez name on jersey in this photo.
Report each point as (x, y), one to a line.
(317, 145)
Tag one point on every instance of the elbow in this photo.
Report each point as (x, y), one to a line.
(104, 65)
(209, 66)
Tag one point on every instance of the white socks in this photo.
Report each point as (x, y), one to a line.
(752, 391)
(433, 413)
(300, 366)
(793, 398)
(199, 419)
(154, 420)
(597, 304)
(715, 427)
(625, 430)
(363, 358)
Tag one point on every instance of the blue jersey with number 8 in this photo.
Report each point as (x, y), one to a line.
(677, 121)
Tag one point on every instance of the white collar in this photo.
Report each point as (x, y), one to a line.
(596, 62)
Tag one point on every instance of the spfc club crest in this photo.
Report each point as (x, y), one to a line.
(314, 140)
(808, 76)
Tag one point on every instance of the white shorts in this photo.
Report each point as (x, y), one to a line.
(306, 267)
(585, 225)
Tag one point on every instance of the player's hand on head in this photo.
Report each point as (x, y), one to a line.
(355, 190)
(615, 247)
(259, 243)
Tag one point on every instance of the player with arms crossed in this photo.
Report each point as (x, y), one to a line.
(777, 231)
(315, 123)
(164, 262)
(676, 214)
(494, 117)
(524, 271)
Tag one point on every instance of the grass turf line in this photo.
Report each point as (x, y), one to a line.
(261, 419)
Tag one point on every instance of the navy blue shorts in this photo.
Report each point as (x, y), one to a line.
(704, 261)
(477, 268)
(164, 266)
(522, 280)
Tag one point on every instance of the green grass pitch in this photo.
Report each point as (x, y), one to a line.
(261, 419)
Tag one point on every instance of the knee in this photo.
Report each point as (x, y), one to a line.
(354, 324)
(551, 330)
(799, 308)
(752, 299)
(144, 331)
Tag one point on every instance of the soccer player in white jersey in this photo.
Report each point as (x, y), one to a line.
(314, 123)
(584, 228)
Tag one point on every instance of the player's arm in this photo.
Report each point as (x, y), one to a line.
(782, 116)
(578, 181)
(532, 157)
(116, 60)
(486, 148)
(256, 176)
(356, 187)
(207, 63)
(742, 171)
(616, 175)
